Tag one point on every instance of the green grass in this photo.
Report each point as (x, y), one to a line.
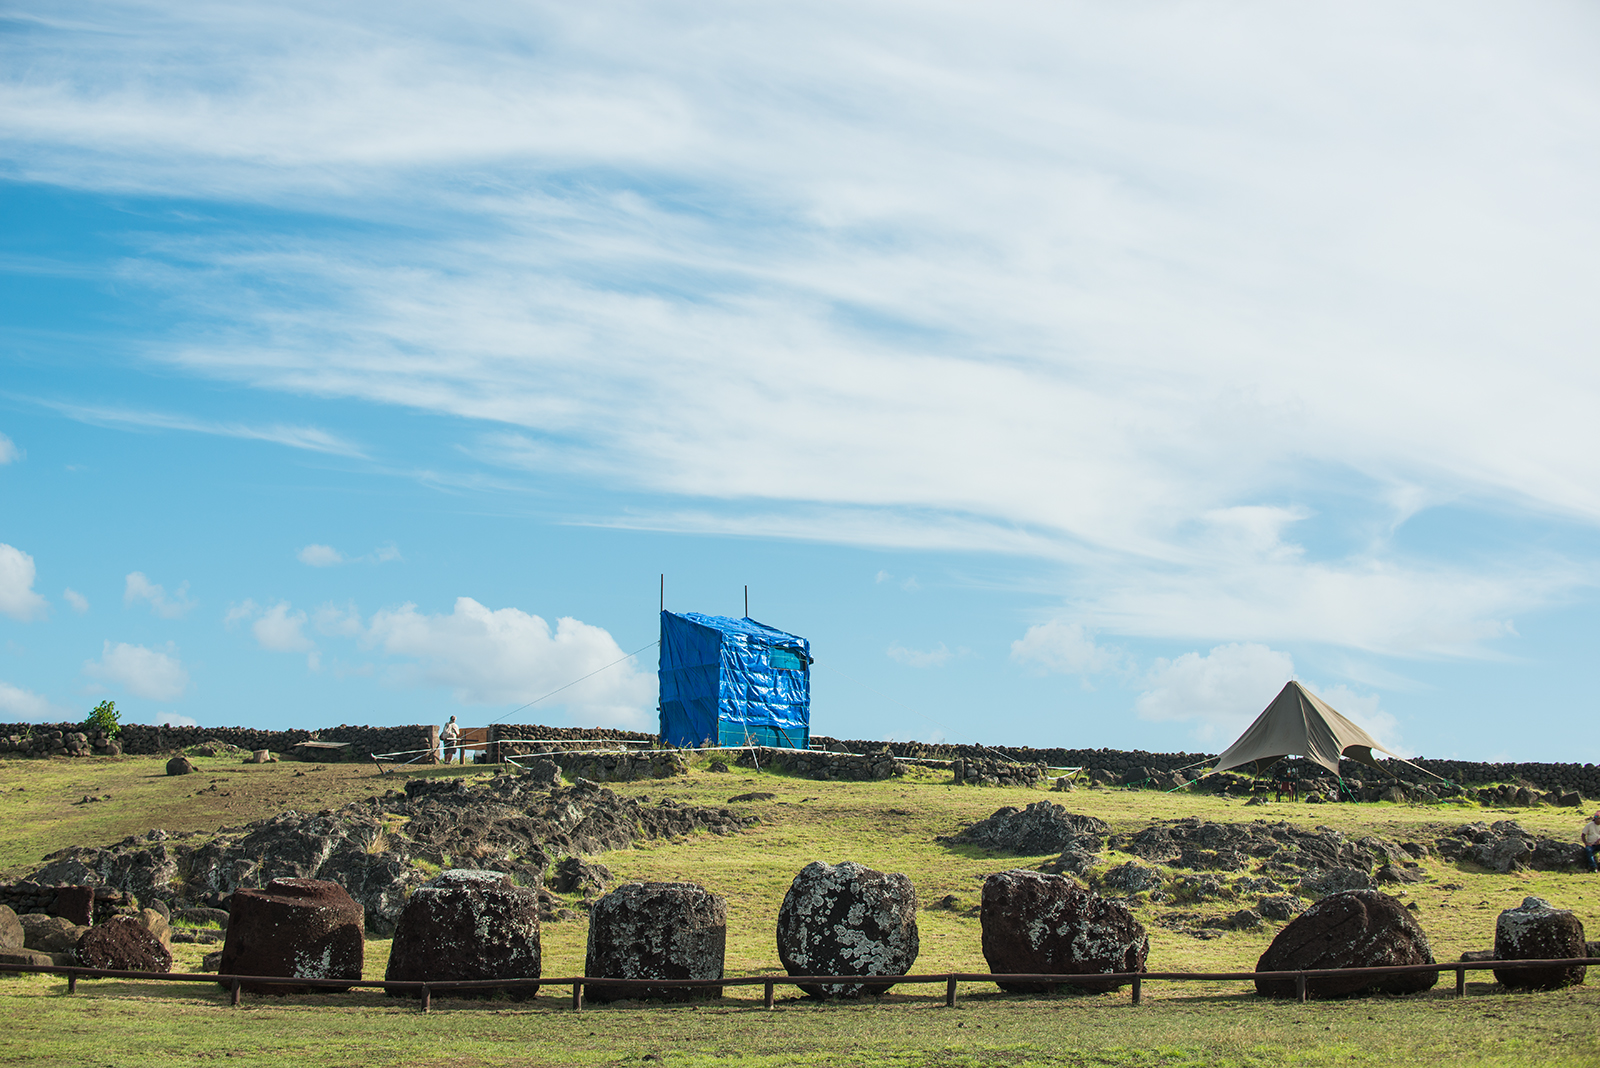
(889, 825)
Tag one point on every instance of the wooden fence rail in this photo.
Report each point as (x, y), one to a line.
(1137, 980)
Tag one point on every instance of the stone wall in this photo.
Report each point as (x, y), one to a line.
(865, 767)
(146, 739)
(38, 898)
(1543, 775)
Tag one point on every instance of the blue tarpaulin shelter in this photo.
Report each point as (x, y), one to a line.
(733, 682)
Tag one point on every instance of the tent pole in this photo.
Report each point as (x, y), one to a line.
(747, 601)
(663, 591)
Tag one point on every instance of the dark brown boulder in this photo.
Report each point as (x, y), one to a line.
(308, 928)
(847, 919)
(123, 943)
(1034, 923)
(1352, 929)
(12, 936)
(49, 934)
(74, 903)
(468, 925)
(1536, 930)
(657, 931)
(179, 765)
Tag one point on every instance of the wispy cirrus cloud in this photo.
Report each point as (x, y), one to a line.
(309, 438)
(1139, 298)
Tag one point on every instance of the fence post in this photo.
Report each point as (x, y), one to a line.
(72, 982)
(1300, 986)
(427, 998)
(236, 988)
(1461, 982)
(770, 985)
(1138, 990)
(577, 997)
(950, 992)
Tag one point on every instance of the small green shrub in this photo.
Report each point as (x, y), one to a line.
(104, 718)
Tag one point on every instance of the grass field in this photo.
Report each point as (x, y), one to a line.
(889, 825)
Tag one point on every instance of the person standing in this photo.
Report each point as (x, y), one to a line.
(448, 734)
(1590, 837)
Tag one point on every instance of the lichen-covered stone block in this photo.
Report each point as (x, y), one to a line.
(1352, 929)
(1536, 930)
(1035, 923)
(847, 919)
(468, 924)
(305, 928)
(657, 931)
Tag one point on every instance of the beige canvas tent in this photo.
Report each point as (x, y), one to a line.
(1298, 723)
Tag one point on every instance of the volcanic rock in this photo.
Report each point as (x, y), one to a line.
(1039, 828)
(1131, 878)
(75, 903)
(307, 928)
(657, 931)
(511, 824)
(1279, 907)
(124, 944)
(1336, 881)
(49, 934)
(180, 765)
(574, 875)
(465, 924)
(1352, 929)
(1537, 931)
(12, 936)
(847, 919)
(1049, 924)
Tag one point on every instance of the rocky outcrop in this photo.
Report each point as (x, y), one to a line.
(1535, 930)
(973, 771)
(511, 824)
(304, 928)
(180, 765)
(124, 944)
(1040, 828)
(468, 925)
(847, 919)
(1354, 929)
(1040, 924)
(657, 931)
(1506, 846)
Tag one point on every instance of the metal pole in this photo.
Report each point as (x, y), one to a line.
(950, 992)
(747, 602)
(663, 591)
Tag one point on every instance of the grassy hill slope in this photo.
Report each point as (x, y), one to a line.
(890, 825)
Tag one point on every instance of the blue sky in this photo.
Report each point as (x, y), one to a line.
(1069, 374)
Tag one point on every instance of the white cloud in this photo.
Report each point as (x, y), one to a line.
(17, 598)
(334, 621)
(236, 613)
(1065, 647)
(320, 556)
(279, 630)
(9, 453)
(507, 657)
(1219, 692)
(312, 439)
(1139, 295)
(140, 588)
(919, 658)
(143, 672)
(79, 603)
(328, 556)
(882, 577)
(172, 719)
(24, 706)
